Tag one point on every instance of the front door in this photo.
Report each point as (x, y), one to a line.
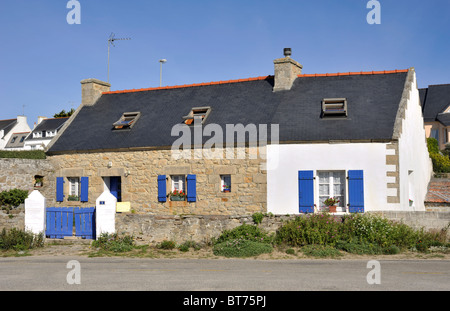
(115, 186)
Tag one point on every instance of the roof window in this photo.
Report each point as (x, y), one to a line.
(334, 107)
(127, 120)
(197, 113)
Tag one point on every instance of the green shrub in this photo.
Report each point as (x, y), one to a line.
(166, 244)
(322, 229)
(441, 162)
(257, 218)
(114, 243)
(359, 248)
(189, 244)
(320, 251)
(247, 232)
(290, 251)
(29, 154)
(241, 247)
(13, 197)
(20, 240)
(433, 145)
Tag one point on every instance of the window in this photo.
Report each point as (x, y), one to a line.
(198, 113)
(332, 185)
(22, 139)
(74, 188)
(178, 183)
(435, 134)
(334, 107)
(127, 120)
(225, 183)
(13, 139)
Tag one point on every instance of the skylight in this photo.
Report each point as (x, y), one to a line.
(127, 120)
(334, 107)
(197, 113)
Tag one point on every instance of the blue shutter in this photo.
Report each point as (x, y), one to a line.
(356, 191)
(162, 188)
(191, 188)
(59, 189)
(84, 189)
(306, 191)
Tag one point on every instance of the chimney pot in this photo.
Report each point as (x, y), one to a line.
(287, 52)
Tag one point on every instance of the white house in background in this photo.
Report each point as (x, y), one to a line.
(43, 133)
(10, 126)
(17, 141)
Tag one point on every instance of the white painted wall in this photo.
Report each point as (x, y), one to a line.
(413, 155)
(20, 127)
(282, 177)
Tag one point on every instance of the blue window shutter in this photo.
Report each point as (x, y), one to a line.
(356, 191)
(306, 191)
(191, 188)
(59, 189)
(162, 188)
(84, 189)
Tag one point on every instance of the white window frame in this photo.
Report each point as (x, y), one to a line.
(74, 186)
(178, 180)
(342, 205)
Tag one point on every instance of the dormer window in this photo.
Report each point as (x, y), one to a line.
(127, 120)
(197, 113)
(334, 107)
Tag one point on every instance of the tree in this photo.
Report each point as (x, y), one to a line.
(64, 114)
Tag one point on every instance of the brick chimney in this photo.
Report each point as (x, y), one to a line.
(91, 90)
(286, 71)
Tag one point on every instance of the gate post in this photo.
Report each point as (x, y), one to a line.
(105, 211)
(35, 213)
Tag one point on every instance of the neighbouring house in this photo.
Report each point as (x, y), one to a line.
(43, 133)
(435, 101)
(17, 141)
(282, 144)
(11, 128)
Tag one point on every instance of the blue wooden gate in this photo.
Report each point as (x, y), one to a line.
(60, 222)
(85, 222)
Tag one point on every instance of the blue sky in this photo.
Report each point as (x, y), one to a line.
(43, 58)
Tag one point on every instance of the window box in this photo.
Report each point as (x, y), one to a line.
(177, 198)
(73, 198)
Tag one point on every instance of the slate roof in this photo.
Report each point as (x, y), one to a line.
(47, 125)
(435, 99)
(373, 100)
(7, 125)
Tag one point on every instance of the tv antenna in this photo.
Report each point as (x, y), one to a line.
(111, 42)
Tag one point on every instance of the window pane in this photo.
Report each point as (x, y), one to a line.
(324, 177)
(321, 200)
(338, 177)
(324, 189)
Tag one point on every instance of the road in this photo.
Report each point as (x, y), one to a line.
(131, 274)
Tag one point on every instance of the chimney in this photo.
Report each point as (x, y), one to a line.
(286, 71)
(91, 90)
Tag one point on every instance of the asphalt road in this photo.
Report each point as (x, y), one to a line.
(130, 274)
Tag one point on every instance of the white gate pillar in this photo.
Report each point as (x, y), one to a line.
(105, 211)
(35, 206)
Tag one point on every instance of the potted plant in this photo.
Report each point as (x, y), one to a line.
(73, 198)
(38, 182)
(177, 195)
(226, 188)
(331, 203)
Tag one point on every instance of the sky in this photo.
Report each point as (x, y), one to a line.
(43, 58)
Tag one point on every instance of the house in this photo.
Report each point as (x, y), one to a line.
(17, 141)
(10, 126)
(435, 101)
(281, 143)
(43, 133)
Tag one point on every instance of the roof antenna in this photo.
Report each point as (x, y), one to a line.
(111, 41)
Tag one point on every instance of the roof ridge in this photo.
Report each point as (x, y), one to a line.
(189, 85)
(352, 73)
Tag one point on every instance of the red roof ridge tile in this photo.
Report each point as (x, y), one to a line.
(188, 85)
(352, 73)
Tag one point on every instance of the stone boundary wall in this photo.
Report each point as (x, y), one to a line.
(15, 219)
(201, 228)
(20, 173)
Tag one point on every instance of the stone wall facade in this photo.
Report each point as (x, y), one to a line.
(14, 219)
(21, 174)
(139, 170)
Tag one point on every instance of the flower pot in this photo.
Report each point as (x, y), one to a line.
(226, 190)
(176, 198)
(332, 209)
